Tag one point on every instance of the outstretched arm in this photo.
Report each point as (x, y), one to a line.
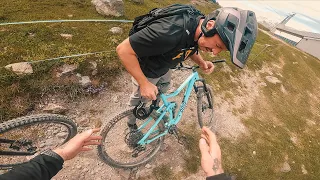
(211, 156)
(44, 167)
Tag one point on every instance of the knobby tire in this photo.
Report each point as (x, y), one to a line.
(28, 121)
(104, 156)
(203, 99)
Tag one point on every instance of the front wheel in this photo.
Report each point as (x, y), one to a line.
(23, 138)
(119, 145)
(205, 108)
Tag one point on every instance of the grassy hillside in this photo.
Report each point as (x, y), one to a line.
(34, 42)
(284, 124)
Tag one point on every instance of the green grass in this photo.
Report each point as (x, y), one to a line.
(263, 27)
(163, 172)
(192, 158)
(277, 117)
(33, 42)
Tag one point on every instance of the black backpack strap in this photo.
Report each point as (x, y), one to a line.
(190, 24)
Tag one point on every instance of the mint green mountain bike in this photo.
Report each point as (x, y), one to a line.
(123, 147)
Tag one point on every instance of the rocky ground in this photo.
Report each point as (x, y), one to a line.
(91, 112)
(95, 111)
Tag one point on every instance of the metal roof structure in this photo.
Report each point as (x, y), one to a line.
(302, 34)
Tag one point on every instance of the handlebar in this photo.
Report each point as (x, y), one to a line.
(140, 111)
(181, 67)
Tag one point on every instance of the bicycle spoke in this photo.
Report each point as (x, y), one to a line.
(120, 146)
(205, 112)
(40, 137)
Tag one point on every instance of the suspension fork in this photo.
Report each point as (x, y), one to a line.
(204, 85)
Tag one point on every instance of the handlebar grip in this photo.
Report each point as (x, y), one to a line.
(218, 61)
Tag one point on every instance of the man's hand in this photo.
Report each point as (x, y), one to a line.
(78, 143)
(210, 153)
(207, 67)
(149, 90)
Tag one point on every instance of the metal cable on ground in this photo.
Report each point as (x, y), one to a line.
(66, 20)
(65, 57)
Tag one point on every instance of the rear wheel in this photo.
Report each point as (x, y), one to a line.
(119, 146)
(31, 135)
(205, 108)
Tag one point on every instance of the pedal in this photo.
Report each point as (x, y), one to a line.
(16, 145)
(32, 149)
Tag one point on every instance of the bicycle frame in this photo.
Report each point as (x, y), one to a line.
(169, 107)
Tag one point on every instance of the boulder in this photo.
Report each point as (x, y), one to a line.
(116, 30)
(66, 69)
(303, 168)
(55, 108)
(20, 68)
(94, 64)
(66, 36)
(285, 167)
(62, 135)
(109, 7)
(94, 68)
(273, 79)
(85, 81)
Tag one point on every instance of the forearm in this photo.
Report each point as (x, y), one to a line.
(197, 58)
(132, 66)
(129, 59)
(215, 168)
(217, 172)
(41, 167)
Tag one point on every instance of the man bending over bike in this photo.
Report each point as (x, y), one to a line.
(149, 53)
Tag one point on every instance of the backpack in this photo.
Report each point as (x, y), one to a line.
(189, 15)
(143, 21)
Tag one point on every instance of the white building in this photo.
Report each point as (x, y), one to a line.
(306, 41)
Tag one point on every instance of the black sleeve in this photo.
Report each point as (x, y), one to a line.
(222, 176)
(158, 38)
(42, 167)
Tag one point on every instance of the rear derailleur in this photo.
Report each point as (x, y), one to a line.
(137, 150)
(176, 132)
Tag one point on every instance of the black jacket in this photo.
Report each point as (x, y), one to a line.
(42, 167)
(222, 176)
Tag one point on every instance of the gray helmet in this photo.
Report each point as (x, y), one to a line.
(238, 30)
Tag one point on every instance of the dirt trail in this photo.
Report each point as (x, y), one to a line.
(89, 112)
(92, 111)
